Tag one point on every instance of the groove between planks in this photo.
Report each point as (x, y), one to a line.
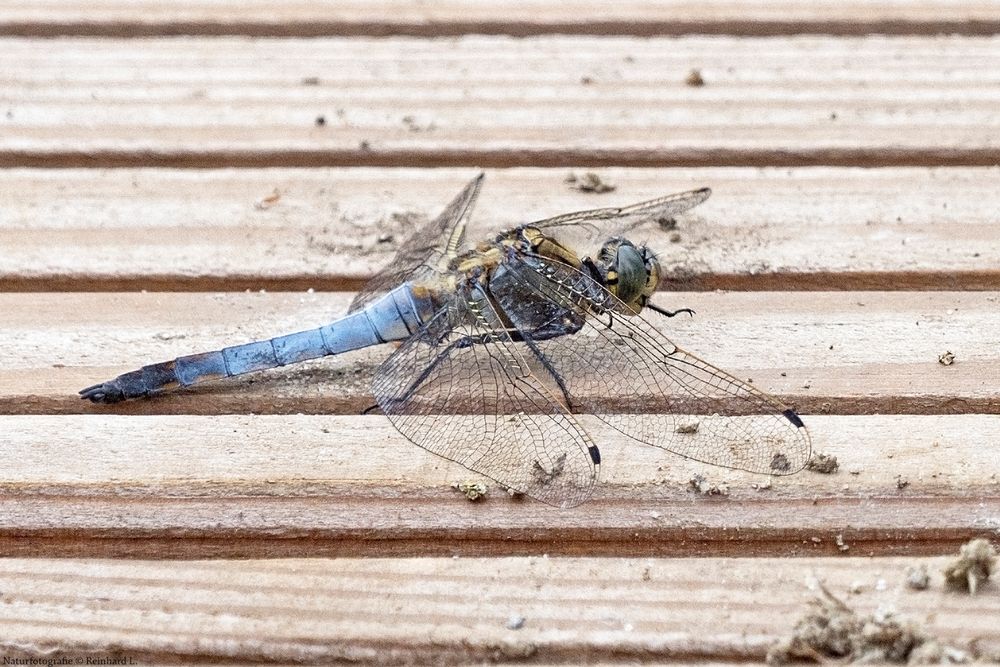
(570, 100)
(786, 280)
(405, 17)
(446, 611)
(130, 229)
(506, 158)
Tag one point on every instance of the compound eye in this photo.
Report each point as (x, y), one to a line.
(632, 273)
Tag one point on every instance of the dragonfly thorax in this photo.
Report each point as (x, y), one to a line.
(630, 272)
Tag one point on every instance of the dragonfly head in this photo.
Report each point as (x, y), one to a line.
(631, 272)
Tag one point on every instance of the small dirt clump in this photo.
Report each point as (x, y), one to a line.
(690, 426)
(780, 463)
(695, 79)
(513, 493)
(515, 622)
(268, 201)
(917, 578)
(946, 358)
(589, 182)
(825, 464)
(975, 563)
(699, 484)
(471, 490)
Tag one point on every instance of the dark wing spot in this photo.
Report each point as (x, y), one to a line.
(595, 454)
(794, 418)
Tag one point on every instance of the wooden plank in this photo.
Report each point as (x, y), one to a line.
(448, 611)
(825, 352)
(392, 17)
(500, 101)
(131, 229)
(269, 486)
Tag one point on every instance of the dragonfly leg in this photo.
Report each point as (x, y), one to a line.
(593, 270)
(670, 313)
(566, 324)
(552, 371)
(465, 341)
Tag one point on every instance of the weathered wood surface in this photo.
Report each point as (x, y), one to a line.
(805, 228)
(204, 474)
(448, 611)
(824, 352)
(501, 101)
(392, 17)
(266, 486)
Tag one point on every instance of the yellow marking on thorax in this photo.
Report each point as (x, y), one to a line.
(486, 260)
(546, 246)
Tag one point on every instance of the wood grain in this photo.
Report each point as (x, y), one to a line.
(117, 18)
(808, 228)
(833, 352)
(255, 103)
(270, 486)
(498, 101)
(447, 611)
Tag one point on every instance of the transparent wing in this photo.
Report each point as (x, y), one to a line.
(461, 388)
(628, 374)
(423, 249)
(610, 221)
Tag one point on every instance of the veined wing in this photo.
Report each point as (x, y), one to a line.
(620, 220)
(462, 389)
(425, 247)
(632, 377)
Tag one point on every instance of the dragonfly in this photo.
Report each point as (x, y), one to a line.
(505, 348)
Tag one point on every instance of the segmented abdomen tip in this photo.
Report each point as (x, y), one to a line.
(102, 393)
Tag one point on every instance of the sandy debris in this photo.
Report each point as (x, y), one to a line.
(589, 182)
(830, 630)
(471, 490)
(515, 622)
(268, 201)
(695, 79)
(690, 426)
(975, 563)
(825, 464)
(917, 578)
(701, 485)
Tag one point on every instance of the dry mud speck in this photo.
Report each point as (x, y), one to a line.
(975, 563)
(472, 490)
(694, 79)
(825, 464)
(589, 182)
